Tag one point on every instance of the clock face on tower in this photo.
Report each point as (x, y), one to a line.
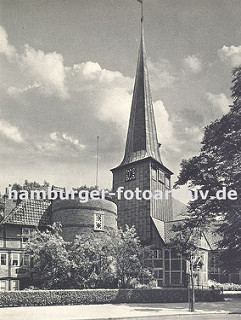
(130, 174)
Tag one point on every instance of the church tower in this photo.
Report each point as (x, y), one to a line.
(142, 167)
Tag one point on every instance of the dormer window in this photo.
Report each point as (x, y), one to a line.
(26, 232)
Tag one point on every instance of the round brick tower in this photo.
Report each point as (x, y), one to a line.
(78, 218)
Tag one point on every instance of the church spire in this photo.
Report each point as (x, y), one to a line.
(142, 136)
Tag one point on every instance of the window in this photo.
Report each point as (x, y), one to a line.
(167, 278)
(158, 273)
(26, 232)
(158, 263)
(15, 259)
(154, 173)
(24, 241)
(167, 182)
(3, 259)
(148, 263)
(167, 264)
(155, 254)
(167, 254)
(176, 278)
(176, 264)
(98, 222)
(155, 274)
(26, 260)
(3, 285)
(160, 283)
(161, 176)
(14, 285)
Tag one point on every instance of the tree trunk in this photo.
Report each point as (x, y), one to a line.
(192, 293)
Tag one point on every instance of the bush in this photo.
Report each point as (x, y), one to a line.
(101, 296)
(225, 286)
(30, 288)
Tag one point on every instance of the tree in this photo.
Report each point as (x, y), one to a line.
(50, 259)
(129, 256)
(216, 168)
(30, 186)
(115, 256)
(187, 242)
(102, 192)
(92, 261)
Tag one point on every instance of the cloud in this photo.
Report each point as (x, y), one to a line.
(161, 74)
(115, 106)
(60, 144)
(14, 90)
(5, 47)
(219, 101)
(91, 71)
(178, 141)
(90, 75)
(165, 128)
(231, 55)
(35, 66)
(193, 64)
(46, 69)
(65, 139)
(112, 91)
(63, 109)
(195, 133)
(10, 132)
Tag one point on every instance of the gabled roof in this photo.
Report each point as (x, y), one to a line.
(179, 209)
(164, 229)
(166, 233)
(160, 226)
(30, 212)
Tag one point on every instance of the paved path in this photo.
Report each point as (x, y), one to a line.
(204, 310)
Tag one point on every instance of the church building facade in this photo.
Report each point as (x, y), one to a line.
(143, 169)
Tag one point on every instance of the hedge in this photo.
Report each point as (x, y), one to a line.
(100, 296)
(225, 286)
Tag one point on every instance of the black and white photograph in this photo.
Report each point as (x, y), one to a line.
(120, 159)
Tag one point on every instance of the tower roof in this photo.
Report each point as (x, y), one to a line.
(142, 136)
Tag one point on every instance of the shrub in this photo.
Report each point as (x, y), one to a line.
(100, 296)
(225, 286)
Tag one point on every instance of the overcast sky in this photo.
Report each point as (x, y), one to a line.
(66, 75)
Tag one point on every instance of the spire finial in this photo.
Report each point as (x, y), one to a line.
(142, 16)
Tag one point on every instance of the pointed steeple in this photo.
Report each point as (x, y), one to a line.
(142, 136)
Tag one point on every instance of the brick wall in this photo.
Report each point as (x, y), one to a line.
(78, 218)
